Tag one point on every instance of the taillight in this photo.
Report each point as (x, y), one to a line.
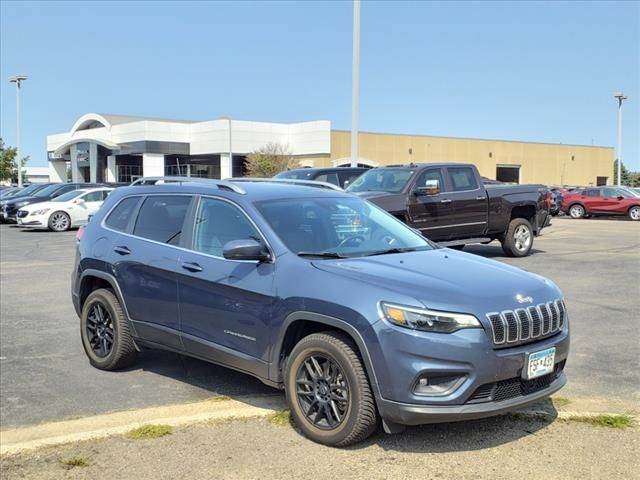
(80, 233)
(549, 197)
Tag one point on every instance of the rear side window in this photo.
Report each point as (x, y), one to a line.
(328, 177)
(594, 192)
(462, 178)
(119, 217)
(161, 218)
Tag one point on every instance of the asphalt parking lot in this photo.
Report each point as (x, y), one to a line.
(45, 374)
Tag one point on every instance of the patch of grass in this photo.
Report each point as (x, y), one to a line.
(280, 418)
(611, 421)
(76, 461)
(149, 431)
(560, 402)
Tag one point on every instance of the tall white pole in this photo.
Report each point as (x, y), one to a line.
(230, 149)
(619, 141)
(355, 83)
(18, 134)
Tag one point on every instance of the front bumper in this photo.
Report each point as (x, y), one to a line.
(412, 414)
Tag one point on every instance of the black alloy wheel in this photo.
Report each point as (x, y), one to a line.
(322, 391)
(100, 330)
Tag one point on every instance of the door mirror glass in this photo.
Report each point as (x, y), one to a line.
(431, 187)
(248, 249)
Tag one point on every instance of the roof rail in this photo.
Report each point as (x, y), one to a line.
(291, 181)
(220, 184)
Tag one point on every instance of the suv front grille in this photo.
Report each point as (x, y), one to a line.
(513, 327)
(514, 387)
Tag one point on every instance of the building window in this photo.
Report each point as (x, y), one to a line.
(129, 173)
(508, 174)
(600, 181)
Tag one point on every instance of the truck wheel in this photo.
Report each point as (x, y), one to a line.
(576, 211)
(105, 332)
(519, 238)
(634, 213)
(328, 392)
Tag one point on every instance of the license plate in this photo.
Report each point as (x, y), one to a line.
(540, 363)
(19, 221)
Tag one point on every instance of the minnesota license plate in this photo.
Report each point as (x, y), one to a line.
(540, 363)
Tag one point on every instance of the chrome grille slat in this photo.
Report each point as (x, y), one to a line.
(524, 325)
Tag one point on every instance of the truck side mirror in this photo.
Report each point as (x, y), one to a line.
(431, 187)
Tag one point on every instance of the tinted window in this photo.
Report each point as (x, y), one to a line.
(119, 217)
(462, 178)
(161, 217)
(348, 177)
(594, 192)
(434, 174)
(51, 189)
(328, 177)
(93, 197)
(68, 196)
(218, 222)
(381, 180)
(295, 175)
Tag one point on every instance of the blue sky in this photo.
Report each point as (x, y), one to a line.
(522, 71)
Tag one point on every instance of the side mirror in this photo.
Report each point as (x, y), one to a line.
(620, 197)
(431, 187)
(248, 249)
(80, 201)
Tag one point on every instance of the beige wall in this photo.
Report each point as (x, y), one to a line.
(550, 164)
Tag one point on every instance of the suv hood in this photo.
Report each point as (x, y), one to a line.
(447, 280)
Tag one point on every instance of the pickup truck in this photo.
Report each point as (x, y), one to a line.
(449, 203)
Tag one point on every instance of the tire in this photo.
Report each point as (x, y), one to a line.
(59, 222)
(122, 351)
(634, 213)
(518, 239)
(358, 415)
(577, 211)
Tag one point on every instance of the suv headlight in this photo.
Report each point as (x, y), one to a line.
(40, 212)
(428, 320)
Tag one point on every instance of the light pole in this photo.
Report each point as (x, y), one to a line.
(621, 98)
(355, 83)
(18, 79)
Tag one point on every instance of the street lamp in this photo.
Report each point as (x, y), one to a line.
(18, 79)
(355, 83)
(621, 97)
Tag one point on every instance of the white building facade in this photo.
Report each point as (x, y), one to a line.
(119, 148)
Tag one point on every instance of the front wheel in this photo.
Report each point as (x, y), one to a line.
(519, 238)
(577, 211)
(328, 392)
(59, 222)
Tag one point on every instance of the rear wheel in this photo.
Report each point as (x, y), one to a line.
(59, 222)
(105, 332)
(518, 240)
(577, 211)
(634, 213)
(328, 392)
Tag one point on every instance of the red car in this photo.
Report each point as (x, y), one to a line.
(601, 201)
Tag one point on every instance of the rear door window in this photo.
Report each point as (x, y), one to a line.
(592, 192)
(462, 178)
(120, 216)
(161, 218)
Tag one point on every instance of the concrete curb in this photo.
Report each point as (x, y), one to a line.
(98, 426)
(220, 409)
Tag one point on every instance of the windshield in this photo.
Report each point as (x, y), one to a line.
(46, 191)
(391, 180)
(69, 196)
(29, 190)
(9, 192)
(338, 227)
(295, 175)
(630, 193)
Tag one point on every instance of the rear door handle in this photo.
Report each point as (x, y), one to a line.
(122, 250)
(446, 200)
(192, 267)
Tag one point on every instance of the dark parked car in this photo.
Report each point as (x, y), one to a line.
(340, 176)
(602, 201)
(555, 201)
(9, 207)
(449, 203)
(320, 293)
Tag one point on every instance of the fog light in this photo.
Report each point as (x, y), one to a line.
(439, 385)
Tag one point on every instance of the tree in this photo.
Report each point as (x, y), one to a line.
(625, 175)
(8, 165)
(269, 160)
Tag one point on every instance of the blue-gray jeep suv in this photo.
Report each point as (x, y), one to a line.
(316, 291)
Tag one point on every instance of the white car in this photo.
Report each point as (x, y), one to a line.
(64, 212)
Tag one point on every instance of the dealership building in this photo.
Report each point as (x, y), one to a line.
(122, 148)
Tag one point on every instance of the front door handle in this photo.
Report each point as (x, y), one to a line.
(480, 198)
(122, 250)
(446, 200)
(192, 267)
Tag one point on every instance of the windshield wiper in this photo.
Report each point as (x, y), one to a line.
(391, 250)
(321, 254)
